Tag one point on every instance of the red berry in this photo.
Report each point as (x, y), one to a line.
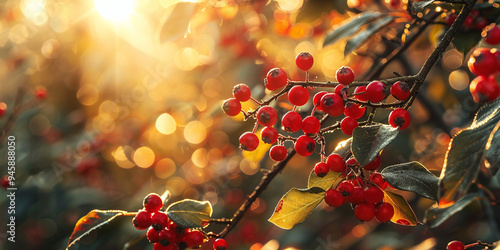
(377, 179)
(348, 124)
(332, 104)
(153, 235)
(291, 121)
(374, 164)
(167, 237)
(241, 92)
(5, 181)
(384, 212)
(269, 135)
(159, 220)
(482, 62)
(41, 92)
(220, 244)
(159, 246)
(400, 90)
(142, 220)
(321, 169)
(450, 18)
(305, 145)
(357, 196)
(345, 75)
(491, 34)
(354, 110)
(317, 99)
(278, 152)
(399, 118)
(249, 141)
(338, 89)
(276, 78)
(474, 13)
(152, 203)
(469, 22)
(480, 23)
(357, 182)
(375, 92)
(267, 116)
(298, 95)
(455, 245)
(360, 97)
(364, 211)
(193, 238)
(231, 107)
(494, 51)
(334, 198)
(345, 188)
(351, 162)
(311, 125)
(373, 195)
(484, 88)
(304, 61)
(3, 108)
(335, 162)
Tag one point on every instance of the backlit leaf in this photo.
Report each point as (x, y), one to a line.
(364, 35)
(420, 6)
(368, 141)
(326, 181)
(175, 21)
(403, 214)
(435, 216)
(190, 213)
(349, 27)
(414, 177)
(492, 151)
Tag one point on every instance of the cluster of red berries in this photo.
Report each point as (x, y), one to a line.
(485, 63)
(475, 20)
(164, 233)
(334, 104)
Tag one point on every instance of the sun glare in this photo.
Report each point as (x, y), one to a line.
(114, 10)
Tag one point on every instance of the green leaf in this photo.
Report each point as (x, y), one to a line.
(350, 26)
(465, 153)
(403, 214)
(93, 220)
(190, 213)
(492, 151)
(436, 215)
(465, 41)
(414, 177)
(420, 6)
(328, 180)
(295, 206)
(368, 141)
(175, 22)
(362, 36)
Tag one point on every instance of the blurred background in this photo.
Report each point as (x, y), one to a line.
(115, 99)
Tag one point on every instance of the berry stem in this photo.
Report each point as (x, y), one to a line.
(255, 127)
(255, 100)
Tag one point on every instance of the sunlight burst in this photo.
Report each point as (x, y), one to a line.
(114, 10)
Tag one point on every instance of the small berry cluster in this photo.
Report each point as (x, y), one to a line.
(164, 233)
(334, 104)
(485, 63)
(475, 20)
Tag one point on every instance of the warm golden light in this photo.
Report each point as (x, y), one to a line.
(114, 10)
(166, 124)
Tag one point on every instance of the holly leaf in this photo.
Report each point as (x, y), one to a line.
(295, 206)
(420, 6)
(350, 27)
(93, 220)
(465, 154)
(492, 151)
(464, 41)
(437, 215)
(414, 177)
(175, 22)
(368, 141)
(363, 36)
(403, 214)
(190, 213)
(331, 178)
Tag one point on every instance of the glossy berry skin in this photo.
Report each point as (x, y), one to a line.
(249, 141)
(220, 244)
(377, 179)
(338, 89)
(305, 145)
(231, 107)
(400, 90)
(332, 104)
(153, 235)
(278, 152)
(167, 237)
(152, 203)
(374, 164)
(269, 135)
(3, 108)
(360, 97)
(41, 93)
(336, 163)
(450, 19)
(267, 116)
(491, 34)
(375, 92)
(348, 124)
(291, 121)
(304, 61)
(399, 118)
(484, 88)
(193, 238)
(241, 92)
(142, 220)
(357, 196)
(298, 95)
(354, 110)
(482, 62)
(317, 99)
(455, 245)
(351, 162)
(311, 125)
(364, 212)
(384, 212)
(345, 75)
(469, 22)
(159, 220)
(276, 78)
(334, 198)
(321, 169)
(345, 188)
(373, 195)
